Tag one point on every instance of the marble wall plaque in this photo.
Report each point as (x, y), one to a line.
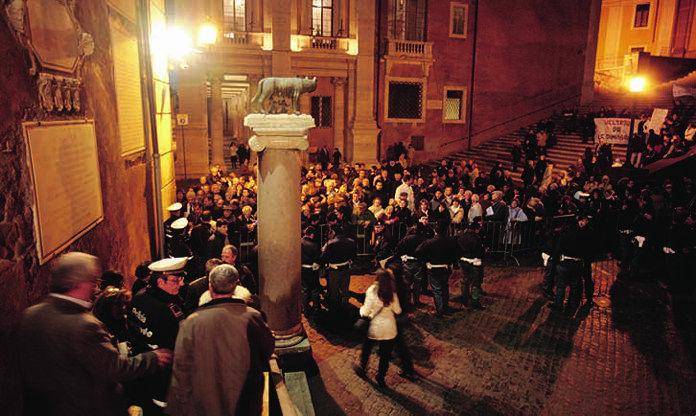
(63, 161)
(124, 47)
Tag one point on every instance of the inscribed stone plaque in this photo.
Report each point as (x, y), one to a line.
(63, 161)
(128, 93)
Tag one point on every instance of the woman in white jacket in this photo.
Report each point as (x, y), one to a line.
(381, 304)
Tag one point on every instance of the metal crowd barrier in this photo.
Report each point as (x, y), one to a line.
(508, 241)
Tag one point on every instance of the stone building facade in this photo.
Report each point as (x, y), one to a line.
(627, 27)
(427, 72)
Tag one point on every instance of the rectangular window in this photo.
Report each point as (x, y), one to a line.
(642, 15)
(234, 15)
(406, 19)
(453, 105)
(415, 20)
(405, 100)
(321, 111)
(458, 20)
(322, 17)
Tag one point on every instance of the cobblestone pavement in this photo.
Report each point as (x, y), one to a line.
(626, 357)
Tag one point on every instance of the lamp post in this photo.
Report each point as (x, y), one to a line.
(636, 85)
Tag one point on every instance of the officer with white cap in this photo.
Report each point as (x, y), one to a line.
(177, 243)
(153, 322)
(174, 214)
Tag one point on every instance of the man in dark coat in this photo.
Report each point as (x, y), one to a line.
(471, 263)
(439, 253)
(69, 364)
(337, 254)
(221, 352)
(414, 269)
(310, 258)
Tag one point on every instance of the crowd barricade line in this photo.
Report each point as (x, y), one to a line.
(502, 240)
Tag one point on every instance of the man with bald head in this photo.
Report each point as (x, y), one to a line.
(221, 352)
(68, 361)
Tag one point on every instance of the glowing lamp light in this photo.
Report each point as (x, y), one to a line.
(637, 84)
(207, 34)
(174, 42)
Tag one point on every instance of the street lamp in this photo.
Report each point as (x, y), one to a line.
(207, 34)
(636, 85)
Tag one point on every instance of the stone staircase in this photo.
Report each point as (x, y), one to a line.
(566, 152)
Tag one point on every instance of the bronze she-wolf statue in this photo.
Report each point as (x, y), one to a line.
(286, 87)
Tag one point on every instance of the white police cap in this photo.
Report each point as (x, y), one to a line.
(175, 207)
(180, 224)
(170, 265)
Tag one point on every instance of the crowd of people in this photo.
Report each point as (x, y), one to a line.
(192, 322)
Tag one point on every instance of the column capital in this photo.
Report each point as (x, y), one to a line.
(279, 131)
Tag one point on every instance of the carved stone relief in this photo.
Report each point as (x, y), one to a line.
(56, 46)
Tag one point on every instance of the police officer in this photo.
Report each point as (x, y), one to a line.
(471, 263)
(310, 258)
(177, 243)
(439, 253)
(549, 258)
(153, 322)
(574, 247)
(174, 214)
(337, 254)
(414, 269)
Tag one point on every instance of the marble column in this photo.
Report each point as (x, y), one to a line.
(279, 140)
(339, 112)
(305, 17)
(216, 126)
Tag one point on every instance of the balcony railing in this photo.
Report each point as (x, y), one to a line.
(409, 48)
(244, 39)
(324, 43)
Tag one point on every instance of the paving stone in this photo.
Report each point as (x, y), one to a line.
(517, 358)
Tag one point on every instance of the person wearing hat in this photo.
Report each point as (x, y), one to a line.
(174, 214)
(470, 261)
(337, 254)
(310, 258)
(177, 244)
(153, 322)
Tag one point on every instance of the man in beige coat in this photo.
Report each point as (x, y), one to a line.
(221, 352)
(69, 363)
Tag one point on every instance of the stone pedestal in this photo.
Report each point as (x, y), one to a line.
(279, 140)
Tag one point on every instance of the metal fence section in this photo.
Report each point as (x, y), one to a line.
(505, 241)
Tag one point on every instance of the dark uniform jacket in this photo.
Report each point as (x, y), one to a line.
(440, 249)
(70, 365)
(578, 243)
(338, 250)
(310, 252)
(153, 322)
(408, 245)
(470, 245)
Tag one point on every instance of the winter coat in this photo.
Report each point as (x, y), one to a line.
(221, 352)
(383, 323)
